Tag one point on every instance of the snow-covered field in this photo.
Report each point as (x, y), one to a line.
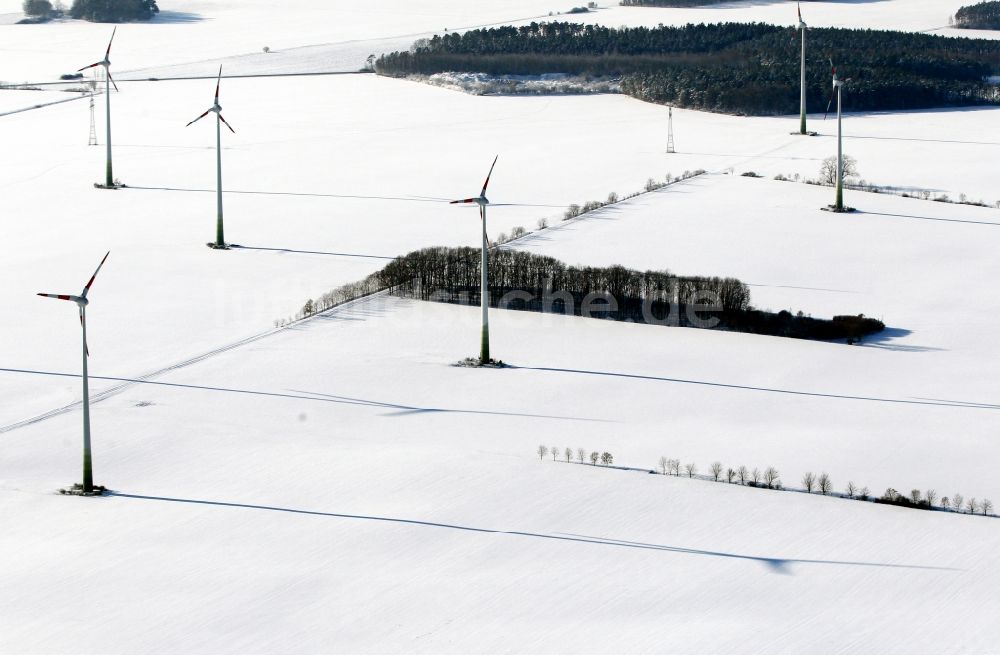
(353, 491)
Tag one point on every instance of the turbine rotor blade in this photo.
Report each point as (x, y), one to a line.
(218, 83)
(58, 296)
(91, 66)
(112, 79)
(108, 52)
(86, 346)
(487, 182)
(92, 277)
(466, 200)
(829, 103)
(227, 124)
(207, 112)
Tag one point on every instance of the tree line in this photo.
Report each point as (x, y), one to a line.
(770, 478)
(981, 16)
(739, 68)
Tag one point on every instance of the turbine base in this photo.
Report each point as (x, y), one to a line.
(842, 210)
(119, 185)
(475, 362)
(809, 133)
(77, 490)
(216, 246)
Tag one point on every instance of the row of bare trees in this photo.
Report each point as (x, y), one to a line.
(580, 454)
(769, 478)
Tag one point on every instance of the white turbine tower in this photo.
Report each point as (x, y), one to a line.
(802, 92)
(109, 179)
(482, 201)
(82, 302)
(220, 241)
(838, 85)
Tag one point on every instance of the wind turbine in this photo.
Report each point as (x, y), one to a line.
(220, 242)
(838, 85)
(484, 295)
(109, 180)
(82, 302)
(802, 93)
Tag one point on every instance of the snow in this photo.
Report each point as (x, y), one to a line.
(305, 447)
(348, 498)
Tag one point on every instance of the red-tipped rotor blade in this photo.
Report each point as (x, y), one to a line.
(57, 296)
(487, 182)
(218, 83)
(830, 102)
(207, 112)
(108, 52)
(227, 124)
(91, 66)
(112, 80)
(482, 212)
(467, 200)
(800, 11)
(92, 277)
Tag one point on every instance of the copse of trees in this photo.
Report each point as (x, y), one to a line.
(980, 16)
(526, 281)
(37, 7)
(740, 68)
(113, 11)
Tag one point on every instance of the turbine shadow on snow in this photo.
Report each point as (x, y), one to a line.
(778, 565)
(740, 387)
(930, 218)
(317, 397)
(295, 193)
(309, 252)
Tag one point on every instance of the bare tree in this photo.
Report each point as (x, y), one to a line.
(946, 502)
(569, 454)
(828, 171)
(742, 473)
(771, 477)
(675, 466)
(957, 502)
(730, 474)
(755, 476)
(809, 482)
(987, 506)
(690, 469)
(825, 484)
(594, 456)
(607, 458)
(851, 490)
(972, 505)
(931, 497)
(555, 453)
(915, 496)
(864, 494)
(663, 465)
(542, 452)
(581, 455)
(716, 470)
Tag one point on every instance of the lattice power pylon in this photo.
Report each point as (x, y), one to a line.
(670, 130)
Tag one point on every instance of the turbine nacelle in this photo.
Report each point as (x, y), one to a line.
(481, 199)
